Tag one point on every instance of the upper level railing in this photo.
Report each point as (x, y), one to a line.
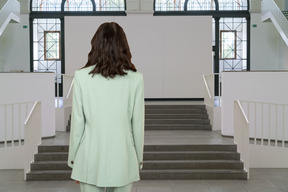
(10, 11)
(270, 10)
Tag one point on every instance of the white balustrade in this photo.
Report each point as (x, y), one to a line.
(241, 134)
(268, 123)
(10, 11)
(20, 134)
(262, 128)
(12, 117)
(32, 135)
(270, 10)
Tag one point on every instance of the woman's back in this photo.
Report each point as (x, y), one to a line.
(112, 114)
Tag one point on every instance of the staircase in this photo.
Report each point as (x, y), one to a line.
(161, 162)
(9, 12)
(271, 12)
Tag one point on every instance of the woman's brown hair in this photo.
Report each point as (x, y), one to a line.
(110, 52)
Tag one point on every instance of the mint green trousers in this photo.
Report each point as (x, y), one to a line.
(93, 188)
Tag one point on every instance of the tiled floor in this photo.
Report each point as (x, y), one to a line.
(262, 180)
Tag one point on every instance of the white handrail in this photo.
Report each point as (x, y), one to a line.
(32, 139)
(67, 85)
(70, 89)
(270, 10)
(10, 11)
(242, 111)
(209, 81)
(241, 134)
(207, 88)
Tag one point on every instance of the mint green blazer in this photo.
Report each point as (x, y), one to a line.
(107, 129)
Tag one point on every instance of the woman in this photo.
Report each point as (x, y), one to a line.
(107, 130)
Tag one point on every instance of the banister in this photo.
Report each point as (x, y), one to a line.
(242, 111)
(30, 113)
(70, 89)
(206, 85)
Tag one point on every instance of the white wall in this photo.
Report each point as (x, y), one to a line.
(14, 47)
(268, 50)
(268, 157)
(250, 86)
(29, 87)
(172, 52)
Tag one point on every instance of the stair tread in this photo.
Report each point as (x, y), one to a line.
(49, 162)
(176, 124)
(156, 152)
(190, 152)
(53, 153)
(158, 170)
(177, 119)
(194, 170)
(155, 161)
(50, 172)
(192, 161)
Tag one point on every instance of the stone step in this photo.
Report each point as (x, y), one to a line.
(159, 155)
(193, 164)
(177, 121)
(49, 175)
(175, 111)
(49, 165)
(151, 174)
(191, 155)
(154, 165)
(175, 107)
(196, 147)
(178, 127)
(51, 156)
(193, 174)
(53, 148)
(176, 116)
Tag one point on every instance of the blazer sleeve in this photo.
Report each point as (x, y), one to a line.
(138, 122)
(77, 122)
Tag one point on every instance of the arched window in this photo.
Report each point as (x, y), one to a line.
(169, 5)
(110, 5)
(46, 5)
(201, 5)
(78, 5)
(233, 5)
